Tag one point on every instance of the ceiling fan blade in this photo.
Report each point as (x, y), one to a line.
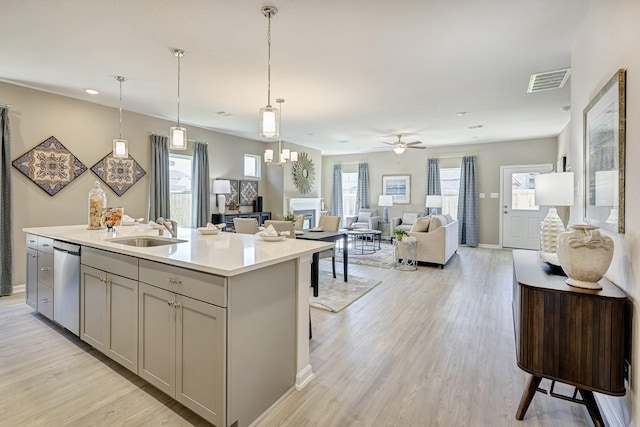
(388, 143)
(413, 143)
(419, 148)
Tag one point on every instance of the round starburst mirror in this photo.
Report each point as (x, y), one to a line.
(304, 173)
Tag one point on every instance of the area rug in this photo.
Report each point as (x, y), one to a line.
(335, 294)
(382, 258)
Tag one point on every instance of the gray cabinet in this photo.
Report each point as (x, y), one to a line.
(182, 340)
(32, 277)
(109, 305)
(44, 274)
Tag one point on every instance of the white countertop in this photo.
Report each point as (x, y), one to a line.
(224, 254)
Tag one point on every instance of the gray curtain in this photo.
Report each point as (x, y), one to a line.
(6, 208)
(468, 202)
(433, 182)
(363, 198)
(336, 192)
(200, 192)
(159, 186)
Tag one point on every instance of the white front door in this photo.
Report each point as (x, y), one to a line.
(520, 216)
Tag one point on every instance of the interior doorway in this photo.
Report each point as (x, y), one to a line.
(520, 217)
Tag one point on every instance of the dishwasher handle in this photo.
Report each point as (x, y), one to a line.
(66, 247)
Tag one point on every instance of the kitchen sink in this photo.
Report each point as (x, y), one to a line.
(145, 241)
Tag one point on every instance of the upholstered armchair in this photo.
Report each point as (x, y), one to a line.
(404, 222)
(366, 219)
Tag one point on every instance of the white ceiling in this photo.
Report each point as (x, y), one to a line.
(349, 70)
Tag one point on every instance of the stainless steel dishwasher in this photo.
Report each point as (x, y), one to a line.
(66, 285)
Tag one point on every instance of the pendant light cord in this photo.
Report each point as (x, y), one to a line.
(120, 79)
(269, 61)
(179, 53)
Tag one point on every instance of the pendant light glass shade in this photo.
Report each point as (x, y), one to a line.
(269, 116)
(178, 134)
(284, 154)
(120, 146)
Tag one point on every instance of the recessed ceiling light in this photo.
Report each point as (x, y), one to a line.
(343, 141)
(91, 91)
(474, 127)
(566, 108)
(463, 113)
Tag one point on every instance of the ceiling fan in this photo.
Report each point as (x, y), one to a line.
(399, 146)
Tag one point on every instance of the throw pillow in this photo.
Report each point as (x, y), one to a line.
(436, 222)
(449, 217)
(408, 218)
(422, 224)
(364, 216)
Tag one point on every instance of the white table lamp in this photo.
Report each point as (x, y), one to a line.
(434, 201)
(222, 187)
(385, 200)
(552, 189)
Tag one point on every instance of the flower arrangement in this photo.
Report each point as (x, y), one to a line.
(289, 216)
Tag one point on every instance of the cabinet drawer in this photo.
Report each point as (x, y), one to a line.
(195, 284)
(122, 265)
(45, 300)
(32, 241)
(45, 244)
(45, 269)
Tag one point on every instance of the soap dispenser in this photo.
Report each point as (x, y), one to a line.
(97, 202)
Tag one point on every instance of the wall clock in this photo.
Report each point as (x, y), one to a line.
(304, 173)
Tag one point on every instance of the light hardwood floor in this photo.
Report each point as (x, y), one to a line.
(426, 348)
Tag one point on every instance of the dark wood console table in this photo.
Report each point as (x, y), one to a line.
(571, 335)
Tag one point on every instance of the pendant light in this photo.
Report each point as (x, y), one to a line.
(283, 154)
(178, 134)
(269, 116)
(120, 146)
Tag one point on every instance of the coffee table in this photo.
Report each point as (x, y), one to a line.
(364, 241)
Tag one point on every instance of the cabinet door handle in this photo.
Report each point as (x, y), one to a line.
(44, 300)
(34, 256)
(32, 241)
(45, 268)
(176, 304)
(170, 303)
(174, 281)
(44, 245)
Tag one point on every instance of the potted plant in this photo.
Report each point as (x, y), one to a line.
(399, 233)
(289, 216)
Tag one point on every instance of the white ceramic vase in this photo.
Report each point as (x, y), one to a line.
(585, 255)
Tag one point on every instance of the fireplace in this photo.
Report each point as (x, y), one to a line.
(309, 207)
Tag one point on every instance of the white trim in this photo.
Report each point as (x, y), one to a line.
(487, 246)
(304, 377)
(304, 372)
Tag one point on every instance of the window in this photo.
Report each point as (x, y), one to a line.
(450, 186)
(252, 166)
(180, 188)
(523, 191)
(349, 192)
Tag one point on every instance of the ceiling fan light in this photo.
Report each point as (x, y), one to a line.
(120, 148)
(269, 127)
(398, 150)
(177, 138)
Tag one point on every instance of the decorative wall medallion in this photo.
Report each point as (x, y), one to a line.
(248, 192)
(50, 166)
(233, 198)
(304, 173)
(118, 174)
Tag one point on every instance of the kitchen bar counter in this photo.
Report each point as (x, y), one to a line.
(231, 307)
(224, 254)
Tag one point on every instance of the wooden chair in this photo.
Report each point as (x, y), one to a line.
(281, 226)
(329, 223)
(246, 225)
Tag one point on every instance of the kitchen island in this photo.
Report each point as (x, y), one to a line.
(218, 322)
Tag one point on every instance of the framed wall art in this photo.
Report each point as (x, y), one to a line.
(604, 155)
(398, 186)
(248, 192)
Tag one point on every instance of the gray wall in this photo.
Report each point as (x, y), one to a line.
(608, 41)
(490, 157)
(87, 130)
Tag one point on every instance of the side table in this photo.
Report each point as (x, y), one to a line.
(405, 251)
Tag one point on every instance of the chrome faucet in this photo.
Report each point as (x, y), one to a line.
(170, 225)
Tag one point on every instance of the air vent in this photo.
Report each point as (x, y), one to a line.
(549, 80)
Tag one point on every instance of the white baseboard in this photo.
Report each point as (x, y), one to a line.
(486, 246)
(19, 288)
(304, 377)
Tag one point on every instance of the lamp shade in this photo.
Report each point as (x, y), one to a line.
(222, 186)
(385, 200)
(433, 201)
(554, 189)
